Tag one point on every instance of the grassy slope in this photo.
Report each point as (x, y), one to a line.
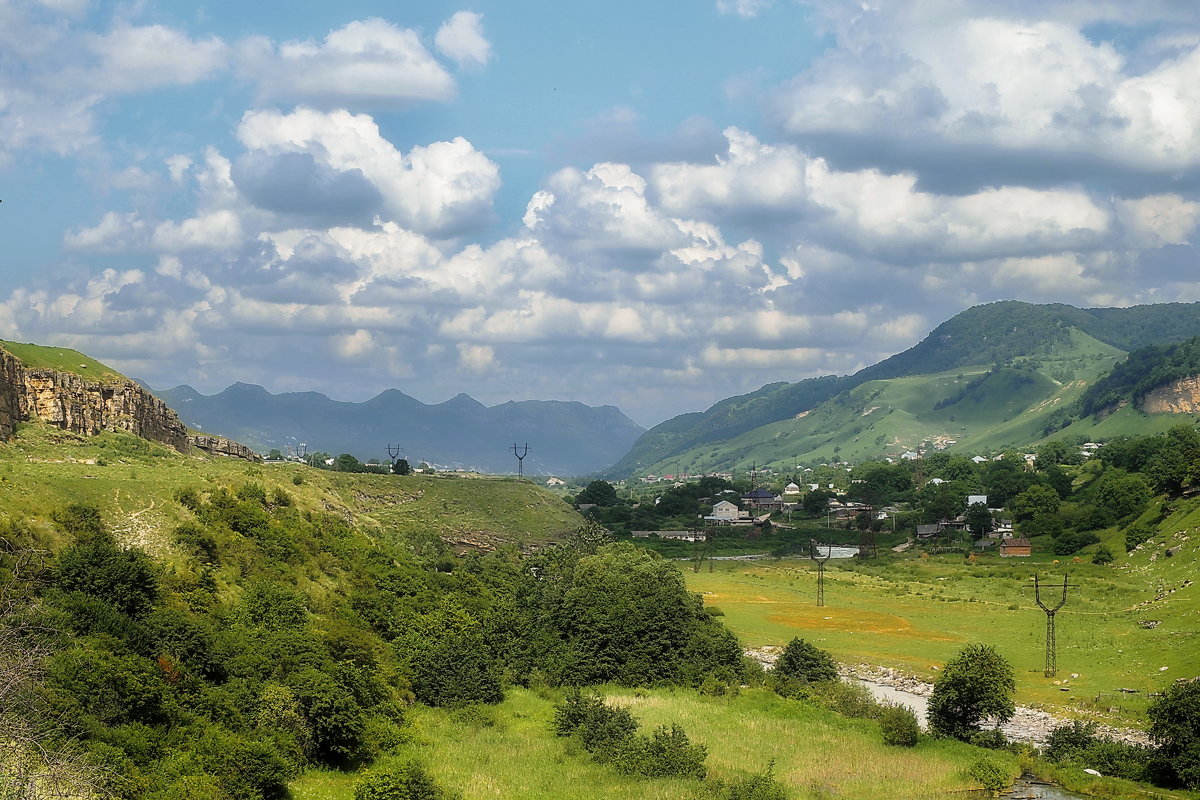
(887, 417)
(62, 359)
(915, 613)
(133, 481)
(519, 756)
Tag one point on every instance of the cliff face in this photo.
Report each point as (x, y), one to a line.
(76, 404)
(1177, 397)
(220, 446)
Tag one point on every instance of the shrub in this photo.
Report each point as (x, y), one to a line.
(124, 578)
(1135, 535)
(1103, 555)
(1175, 728)
(604, 730)
(990, 774)
(407, 782)
(666, 753)
(760, 786)
(806, 662)
(899, 726)
(1066, 742)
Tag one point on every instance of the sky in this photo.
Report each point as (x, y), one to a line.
(648, 205)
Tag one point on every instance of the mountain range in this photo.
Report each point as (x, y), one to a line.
(565, 438)
(994, 376)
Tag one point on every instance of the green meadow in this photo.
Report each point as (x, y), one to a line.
(510, 751)
(914, 613)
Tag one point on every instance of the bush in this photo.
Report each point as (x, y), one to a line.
(990, 775)
(899, 726)
(1103, 555)
(806, 662)
(760, 786)
(1066, 742)
(407, 782)
(604, 730)
(1135, 535)
(97, 567)
(1175, 728)
(666, 753)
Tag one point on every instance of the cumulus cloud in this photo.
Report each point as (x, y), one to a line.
(442, 189)
(461, 38)
(365, 64)
(1005, 81)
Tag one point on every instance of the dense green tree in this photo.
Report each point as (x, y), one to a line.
(979, 519)
(1035, 501)
(976, 684)
(816, 501)
(804, 661)
(402, 467)
(1175, 728)
(125, 578)
(598, 492)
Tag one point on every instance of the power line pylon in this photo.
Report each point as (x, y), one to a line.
(520, 458)
(814, 553)
(1051, 633)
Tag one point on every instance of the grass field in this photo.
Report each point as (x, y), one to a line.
(133, 482)
(36, 356)
(914, 613)
(515, 755)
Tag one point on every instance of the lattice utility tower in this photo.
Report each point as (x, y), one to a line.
(866, 536)
(520, 453)
(393, 456)
(814, 552)
(1051, 638)
(705, 551)
(302, 452)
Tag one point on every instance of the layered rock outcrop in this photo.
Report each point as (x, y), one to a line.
(83, 406)
(1177, 397)
(220, 446)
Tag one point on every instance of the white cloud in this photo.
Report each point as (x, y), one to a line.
(114, 232)
(441, 188)
(365, 64)
(461, 38)
(975, 75)
(1160, 219)
(743, 8)
(132, 58)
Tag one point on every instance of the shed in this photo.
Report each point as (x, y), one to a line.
(1015, 548)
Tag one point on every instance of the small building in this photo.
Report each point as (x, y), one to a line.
(724, 510)
(552, 481)
(1010, 548)
(979, 459)
(972, 499)
(762, 499)
(791, 488)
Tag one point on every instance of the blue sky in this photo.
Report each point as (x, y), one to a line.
(653, 207)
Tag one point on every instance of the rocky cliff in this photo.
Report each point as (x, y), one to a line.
(1177, 397)
(83, 406)
(220, 446)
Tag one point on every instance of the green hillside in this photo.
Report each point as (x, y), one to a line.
(947, 387)
(134, 482)
(36, 356)
(972, 408)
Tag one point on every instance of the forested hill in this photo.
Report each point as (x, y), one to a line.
(1144, 370)
(984, 335)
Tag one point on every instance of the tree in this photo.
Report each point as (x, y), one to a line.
(976, 684)
(805, 661)
(815, 502)
(274, 455)
(1175, 728)
(347, 463)
(599, 493)
(402, 467)
(979, 519)
(406, 782)
(1034, 501)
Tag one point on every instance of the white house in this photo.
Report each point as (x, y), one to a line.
(979, 459)
(725, 510)
(791, 488)
(972, 499)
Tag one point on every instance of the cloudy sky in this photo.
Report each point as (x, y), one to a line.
(653, 205)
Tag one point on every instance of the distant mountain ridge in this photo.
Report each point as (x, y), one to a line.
(566, 438)
(981, 336)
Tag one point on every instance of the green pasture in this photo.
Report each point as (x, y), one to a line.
(510, 751)
(915, 613)
(134, 482)
(63, 359)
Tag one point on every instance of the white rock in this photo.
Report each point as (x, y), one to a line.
(1093, 772)
(1162, 669)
